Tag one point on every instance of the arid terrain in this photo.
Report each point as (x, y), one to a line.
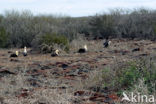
(69, 77)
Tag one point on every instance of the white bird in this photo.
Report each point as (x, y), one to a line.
(25, 51)
(56, 53)
(107, 43)
(14, 54)
(83, 50)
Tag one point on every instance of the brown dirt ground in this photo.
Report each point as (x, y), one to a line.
(42, 79)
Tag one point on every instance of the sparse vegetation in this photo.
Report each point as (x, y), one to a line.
(24, 28)
(33, 79)
(100, 71)
(125, 76)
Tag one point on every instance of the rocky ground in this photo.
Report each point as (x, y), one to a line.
(42, 79)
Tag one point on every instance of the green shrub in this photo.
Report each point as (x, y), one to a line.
(126, 76)
(53, 38)
(129, 76)
(3, 38)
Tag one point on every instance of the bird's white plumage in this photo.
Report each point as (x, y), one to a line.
(85, 47)
(25, 49)
(109, 42)
(57, 52)
(17, 53)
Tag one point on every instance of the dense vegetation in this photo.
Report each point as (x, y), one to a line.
(18, 29)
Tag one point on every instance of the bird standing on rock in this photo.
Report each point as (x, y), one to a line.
(83, 50)
(25, 51)
(14, 54)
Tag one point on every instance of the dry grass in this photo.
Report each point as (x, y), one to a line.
(45, 96)
(97, 57)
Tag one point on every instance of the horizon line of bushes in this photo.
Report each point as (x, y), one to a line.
(19, 29)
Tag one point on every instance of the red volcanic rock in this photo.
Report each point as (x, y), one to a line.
(24, 93)
(113, 96)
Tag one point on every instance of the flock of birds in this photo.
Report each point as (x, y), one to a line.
(56, 52)
(16, 54)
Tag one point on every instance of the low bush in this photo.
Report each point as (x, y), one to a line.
(54, 38)
(47, 42)
(126, 75)
(44, 48)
